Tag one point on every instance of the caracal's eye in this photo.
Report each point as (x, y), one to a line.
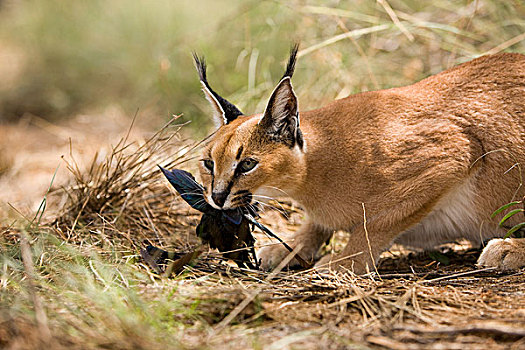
(247, 165)
(208, 164)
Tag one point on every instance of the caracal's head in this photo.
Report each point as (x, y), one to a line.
(251, 159)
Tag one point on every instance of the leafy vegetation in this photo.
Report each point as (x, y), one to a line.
(509, 214)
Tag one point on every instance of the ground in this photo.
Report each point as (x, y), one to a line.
(75, 278)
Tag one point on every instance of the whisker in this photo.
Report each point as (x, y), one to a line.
(261, 196)
(199, 202)
(261, 208)
(193, 193)
(278, 189)
(281, 210)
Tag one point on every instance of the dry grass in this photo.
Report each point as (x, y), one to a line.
(79, 282)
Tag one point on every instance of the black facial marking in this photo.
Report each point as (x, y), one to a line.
(241, 192)
(208, 164)
(242, 198)
(239, 152)
(230, 185)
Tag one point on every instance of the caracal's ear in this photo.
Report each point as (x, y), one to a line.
(223, 111)
(281, 117)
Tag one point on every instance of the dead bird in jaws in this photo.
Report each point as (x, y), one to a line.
(227, 230)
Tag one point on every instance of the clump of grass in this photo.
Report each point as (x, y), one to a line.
(81, 271)
(124, 192)
(89, 301)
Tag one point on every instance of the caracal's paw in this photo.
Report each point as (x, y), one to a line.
(504, 254)
(270, 257)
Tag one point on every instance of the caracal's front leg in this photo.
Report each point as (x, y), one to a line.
(369, 240)
(309, 236)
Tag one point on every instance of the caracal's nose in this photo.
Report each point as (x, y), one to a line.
(219, 198)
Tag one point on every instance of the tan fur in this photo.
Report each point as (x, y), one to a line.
(505, 254)
(428, 163)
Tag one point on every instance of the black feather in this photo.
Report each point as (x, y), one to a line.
(189, 189)
(225, 230)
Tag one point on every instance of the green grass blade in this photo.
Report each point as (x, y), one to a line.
(514, 229)
(509, 214)
(42, 207)
(504, 207)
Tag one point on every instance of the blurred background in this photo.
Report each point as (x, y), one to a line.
(59, 58)
(74, 73)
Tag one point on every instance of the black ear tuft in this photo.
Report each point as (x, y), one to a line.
(200, 64)
(290, 67)
(224, 110)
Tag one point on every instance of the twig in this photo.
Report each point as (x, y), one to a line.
(459, 275)
(392, 14)
(368, 240)
(354, 34)
(489, 327)
(388, 276)
(362, 53)
(263, 228)
(388, 343)
(505, 44)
